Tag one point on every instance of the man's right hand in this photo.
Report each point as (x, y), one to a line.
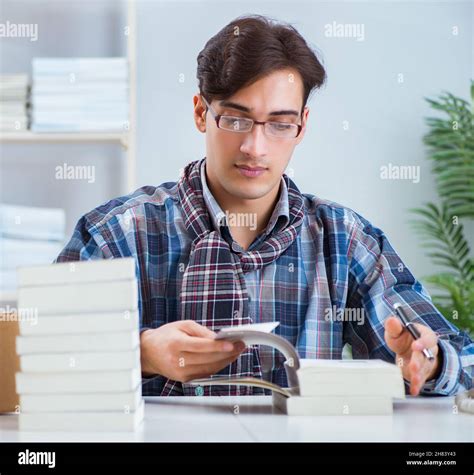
(185, 350)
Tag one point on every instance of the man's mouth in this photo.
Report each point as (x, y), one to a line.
(251, 172)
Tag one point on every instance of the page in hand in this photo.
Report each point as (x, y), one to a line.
(251, 334)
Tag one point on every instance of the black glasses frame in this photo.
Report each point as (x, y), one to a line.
(217, 118)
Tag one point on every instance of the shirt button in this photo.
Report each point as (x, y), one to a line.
(236, 247)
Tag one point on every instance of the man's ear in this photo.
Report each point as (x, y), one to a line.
(199, 113)
(304, 121)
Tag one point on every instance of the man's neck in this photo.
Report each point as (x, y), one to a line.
(257, 212)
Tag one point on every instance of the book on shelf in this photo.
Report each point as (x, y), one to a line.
(25, 252)
(13, 102)
(80, 95)
(32, 222)
(28, 236)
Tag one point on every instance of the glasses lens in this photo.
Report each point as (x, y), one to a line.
(281, 129)
(235, 124)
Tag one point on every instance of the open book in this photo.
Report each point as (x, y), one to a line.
(318, 386)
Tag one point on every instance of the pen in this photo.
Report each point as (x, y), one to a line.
(408, 324)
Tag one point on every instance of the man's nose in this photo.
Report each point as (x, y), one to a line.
(255, 142)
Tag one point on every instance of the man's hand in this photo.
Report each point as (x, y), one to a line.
(416, 368)
(185, 350)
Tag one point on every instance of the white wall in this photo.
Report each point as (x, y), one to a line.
(385, 117)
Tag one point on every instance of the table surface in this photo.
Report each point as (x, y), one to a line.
(253, 418)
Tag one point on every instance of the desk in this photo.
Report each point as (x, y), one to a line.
(252, 418)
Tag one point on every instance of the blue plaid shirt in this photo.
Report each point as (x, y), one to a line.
(342, 289)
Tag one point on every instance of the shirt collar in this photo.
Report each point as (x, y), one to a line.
(219, 218)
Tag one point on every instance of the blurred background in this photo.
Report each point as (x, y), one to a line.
(382, 60)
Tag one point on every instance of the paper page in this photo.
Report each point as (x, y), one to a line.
(259, 327)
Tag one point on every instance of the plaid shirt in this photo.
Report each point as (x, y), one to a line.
(338, 289)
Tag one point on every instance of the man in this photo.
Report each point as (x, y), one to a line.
(235, 241)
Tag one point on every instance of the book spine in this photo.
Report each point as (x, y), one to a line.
(80, 298)
(103, 270)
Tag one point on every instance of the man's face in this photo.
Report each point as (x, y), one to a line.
(278, 98)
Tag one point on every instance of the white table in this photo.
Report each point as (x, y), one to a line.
(252, 418)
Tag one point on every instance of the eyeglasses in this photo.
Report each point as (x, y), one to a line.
(282, 130)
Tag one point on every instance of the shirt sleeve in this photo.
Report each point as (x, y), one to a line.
(379, 279)
(82, 246)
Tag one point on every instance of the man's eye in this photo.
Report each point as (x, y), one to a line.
(281, 125)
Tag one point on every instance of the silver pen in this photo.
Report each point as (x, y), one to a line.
(409, 325)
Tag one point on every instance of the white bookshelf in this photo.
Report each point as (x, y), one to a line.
(127, 140)
(32, 137)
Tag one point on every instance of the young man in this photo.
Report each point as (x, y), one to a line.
(234, 241)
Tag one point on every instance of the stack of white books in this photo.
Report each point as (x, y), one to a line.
(343, 387)
(28, 236)
(13, 102)
(80, 95)
(79, 347)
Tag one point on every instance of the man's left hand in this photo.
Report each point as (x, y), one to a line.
(415, 367)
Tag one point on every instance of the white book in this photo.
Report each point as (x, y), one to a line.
(109, 126)
(64, 88)
(80, 298)
(79, 323)
(346, 377)
(68, 65)
(13, 127)
(87, 343)
(22, 252)
(101, 270)
(349, 384)
(95, 77)
(50, 100)
(21, 79)
(116, 401)
(32, 222)
(82, 421)
(333, 405)
(79, 102)
(90, 114)
(13, 120)
(72, 382)
(79, 362)
(12, 108)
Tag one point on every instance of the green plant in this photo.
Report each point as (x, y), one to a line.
(450, 141)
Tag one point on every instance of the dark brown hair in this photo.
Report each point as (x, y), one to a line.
(251, 47)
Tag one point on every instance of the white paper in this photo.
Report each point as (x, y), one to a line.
(267, 327)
